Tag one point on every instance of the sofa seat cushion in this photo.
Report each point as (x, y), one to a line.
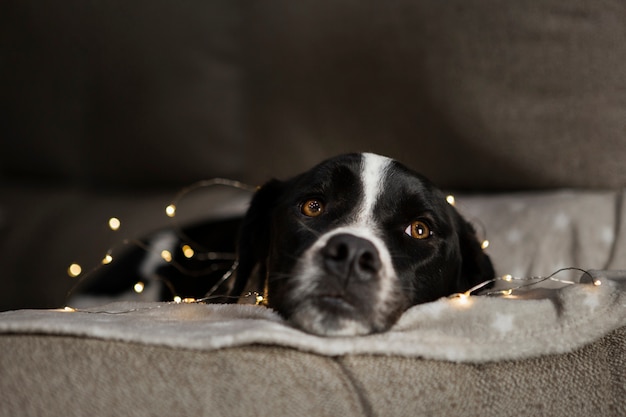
(560, 354)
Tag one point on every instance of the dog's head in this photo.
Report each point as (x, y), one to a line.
(346, 247)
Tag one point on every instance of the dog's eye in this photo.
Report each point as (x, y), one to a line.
(312, 207)
(418, 230)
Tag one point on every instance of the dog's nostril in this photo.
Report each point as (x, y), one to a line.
(337, 251)
(369, 262)
(346, 256)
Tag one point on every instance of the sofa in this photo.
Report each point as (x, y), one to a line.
(110, 108)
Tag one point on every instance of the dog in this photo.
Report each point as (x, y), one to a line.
(346, 247)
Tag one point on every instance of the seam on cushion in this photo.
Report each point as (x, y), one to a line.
(366, 406)
(617, 226)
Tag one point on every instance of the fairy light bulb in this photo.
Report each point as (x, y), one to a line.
(139, 287)
(484, 244)
(107, 259)
(166, 255)
(259, 299)
(462, 299)
(188, 251)
(170, 210)
(177, 299)
(451, 200)
(597, 282)
(114, 223)
(74, 270)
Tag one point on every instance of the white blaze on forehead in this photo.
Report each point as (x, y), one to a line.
(373, 172)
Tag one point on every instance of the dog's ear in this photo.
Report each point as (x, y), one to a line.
(476, 267)
(254, 236)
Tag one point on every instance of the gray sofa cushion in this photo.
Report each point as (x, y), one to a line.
(52, 376)
(559, 356)
(477, 95)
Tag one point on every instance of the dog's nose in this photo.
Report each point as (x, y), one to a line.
(348, 256)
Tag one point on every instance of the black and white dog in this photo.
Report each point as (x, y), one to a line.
(346, 247)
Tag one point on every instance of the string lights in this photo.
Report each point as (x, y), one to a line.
(170, 210)
(484, 244)
(526, 283)
(187, 249)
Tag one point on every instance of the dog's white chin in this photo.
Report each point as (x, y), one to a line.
(314, 321)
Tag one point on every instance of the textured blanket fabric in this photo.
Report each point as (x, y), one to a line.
(476, 329)
(555, 352)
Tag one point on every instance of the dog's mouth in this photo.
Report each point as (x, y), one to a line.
(331, 314)
(335, 303)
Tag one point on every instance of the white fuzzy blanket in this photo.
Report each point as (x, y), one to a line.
(483, 329)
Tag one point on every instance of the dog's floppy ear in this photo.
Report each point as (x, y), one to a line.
(254, 236)
(476, 267)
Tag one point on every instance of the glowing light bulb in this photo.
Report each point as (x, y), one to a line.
(464, 299)
(114, 223)
(107, 259)
(74, 270)
(170, 210)
(139, 287)
(507, 278)
(166, 255)
(177, 299)
(451, 200)
(69, 309)
(259, 299)
(188, 251)
(485, 244)
(189, 300)
(597, 282)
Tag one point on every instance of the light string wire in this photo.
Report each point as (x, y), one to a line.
(75, 270)
(529, 282)
(475, 222)
(171, 209)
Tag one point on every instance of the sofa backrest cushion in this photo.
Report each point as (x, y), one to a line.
(476, 95)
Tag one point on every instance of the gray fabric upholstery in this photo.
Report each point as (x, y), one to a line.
(68, 376)
(476, 94)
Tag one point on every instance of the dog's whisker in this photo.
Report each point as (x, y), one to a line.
(306, 227)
